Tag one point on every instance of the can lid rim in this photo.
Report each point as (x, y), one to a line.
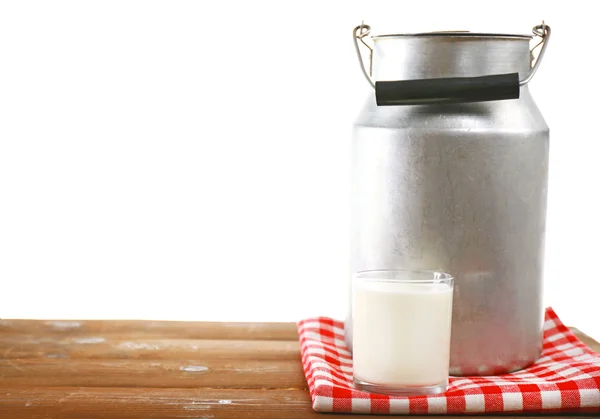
(452, 34)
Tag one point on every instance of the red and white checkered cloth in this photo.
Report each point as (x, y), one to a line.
(565, 379)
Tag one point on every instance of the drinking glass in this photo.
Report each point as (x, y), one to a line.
(401, 331)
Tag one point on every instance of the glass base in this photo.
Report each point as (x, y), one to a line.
(392, 390)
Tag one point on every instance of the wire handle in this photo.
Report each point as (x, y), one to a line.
(358, 34)
(543, 31)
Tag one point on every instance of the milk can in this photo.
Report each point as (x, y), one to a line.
(449, 172)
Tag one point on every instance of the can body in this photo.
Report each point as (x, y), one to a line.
(460, 188)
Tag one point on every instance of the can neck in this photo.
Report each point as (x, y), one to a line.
(423, 57)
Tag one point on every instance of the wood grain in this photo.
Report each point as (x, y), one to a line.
(135, 373)
(15, 347)
(137, 329)
(129, 403)
(148, 369)
(91, 403)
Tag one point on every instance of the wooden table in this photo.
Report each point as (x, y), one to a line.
(150, 369)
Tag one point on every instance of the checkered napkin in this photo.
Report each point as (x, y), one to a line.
(565, 379)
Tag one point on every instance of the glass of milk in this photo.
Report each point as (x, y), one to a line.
(401, 331)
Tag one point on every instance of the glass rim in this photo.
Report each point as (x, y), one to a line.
(415, 276)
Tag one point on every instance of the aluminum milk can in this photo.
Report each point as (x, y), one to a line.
(449, 172)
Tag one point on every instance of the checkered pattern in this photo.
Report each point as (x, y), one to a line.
(565, 379)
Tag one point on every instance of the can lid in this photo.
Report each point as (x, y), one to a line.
(542, 31)
(461, 34)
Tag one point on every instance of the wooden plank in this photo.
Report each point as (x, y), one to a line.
(217, 373)
(121, 403)
(130, 403)
(144, 329)
(17, 347)
(21, 347)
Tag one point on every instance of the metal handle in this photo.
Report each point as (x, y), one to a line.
(449, 90)
(364, 30)
(543, 31)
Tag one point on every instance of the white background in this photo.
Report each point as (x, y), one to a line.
(189, 160)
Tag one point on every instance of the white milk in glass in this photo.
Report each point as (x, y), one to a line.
(401, 332)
